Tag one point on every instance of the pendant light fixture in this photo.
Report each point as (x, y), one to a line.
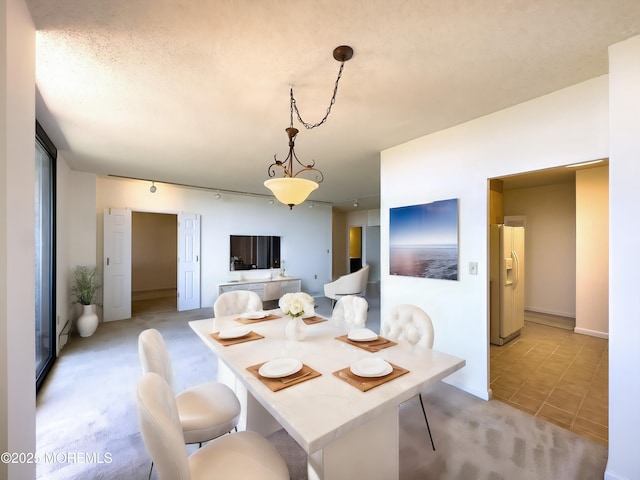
(290, 189)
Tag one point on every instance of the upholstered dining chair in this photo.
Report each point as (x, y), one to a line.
(238, 455)
(412, 324)
(205, 411)
(237, 301)
(350, 311)
(350, 284)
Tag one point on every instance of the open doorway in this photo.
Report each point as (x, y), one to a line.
(117, 262)
(355, 249)
(553, 370)
(154, 266)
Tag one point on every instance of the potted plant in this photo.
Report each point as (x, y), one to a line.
(84, 287)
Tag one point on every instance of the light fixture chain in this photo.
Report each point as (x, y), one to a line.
(290, 189)
(294, 106)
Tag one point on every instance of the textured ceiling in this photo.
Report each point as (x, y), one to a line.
(197, 92)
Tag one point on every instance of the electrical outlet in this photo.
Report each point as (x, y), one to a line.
(473, 268)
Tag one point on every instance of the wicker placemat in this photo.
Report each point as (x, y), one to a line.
(314, 319)
(376, 345)
(367, 383)
(233, 341)
(276, 384)
(244, 320)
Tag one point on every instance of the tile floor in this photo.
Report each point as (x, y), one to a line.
(557, 375)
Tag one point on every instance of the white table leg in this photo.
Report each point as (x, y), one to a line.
(370, 451)
(253, 416)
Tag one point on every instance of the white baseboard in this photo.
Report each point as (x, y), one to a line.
(550, 312)
(591, 333)
(483, 394)
(63, 337)
(608, 475)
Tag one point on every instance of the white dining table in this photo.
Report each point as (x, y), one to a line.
(345, 432)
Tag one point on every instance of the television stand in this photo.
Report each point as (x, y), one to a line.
(269, 290)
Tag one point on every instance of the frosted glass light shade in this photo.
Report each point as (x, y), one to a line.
(291, 191)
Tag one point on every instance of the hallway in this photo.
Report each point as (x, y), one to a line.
(154, 301)
(557, 375)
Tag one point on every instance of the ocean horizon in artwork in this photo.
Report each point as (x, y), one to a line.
(428, 261)
(423, 240)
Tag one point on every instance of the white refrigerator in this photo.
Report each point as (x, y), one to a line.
(506, 282)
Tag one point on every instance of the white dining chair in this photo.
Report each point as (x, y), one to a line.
(350, 284)
(206, 411)
(235, 456)
(350, 311)
(411, 324)
(235, 302)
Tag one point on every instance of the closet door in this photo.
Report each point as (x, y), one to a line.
(117, 264)
(188, 261)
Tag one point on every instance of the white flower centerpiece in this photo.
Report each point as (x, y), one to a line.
(295, 305)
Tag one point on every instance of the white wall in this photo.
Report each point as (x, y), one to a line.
(79, 210)
(592, 252)
(305, 232)
(372, 252)
(82, 203)
(624, 262)
(17, 250)
(567, 126)
(63, 246)
(550, 245)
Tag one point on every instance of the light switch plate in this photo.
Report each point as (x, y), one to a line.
(473, 268)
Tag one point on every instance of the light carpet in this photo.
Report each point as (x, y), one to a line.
(86, 418)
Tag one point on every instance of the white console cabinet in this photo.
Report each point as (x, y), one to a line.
(267, 290)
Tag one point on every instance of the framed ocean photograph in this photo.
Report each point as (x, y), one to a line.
(423, 240)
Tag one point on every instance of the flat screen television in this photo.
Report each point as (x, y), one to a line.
(250, 252)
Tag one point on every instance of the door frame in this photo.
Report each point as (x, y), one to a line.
(42, 138)
(178, 214)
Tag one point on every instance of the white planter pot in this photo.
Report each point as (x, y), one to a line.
(88, 321)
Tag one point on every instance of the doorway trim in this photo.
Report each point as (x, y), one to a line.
(120, 292)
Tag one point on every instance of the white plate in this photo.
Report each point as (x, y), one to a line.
(234, 332)
(371, 367)
(362, 335)
(254, 315)
(280, 367)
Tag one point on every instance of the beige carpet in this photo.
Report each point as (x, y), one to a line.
(86, 418)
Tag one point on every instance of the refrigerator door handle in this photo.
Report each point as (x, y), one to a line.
(517, 268)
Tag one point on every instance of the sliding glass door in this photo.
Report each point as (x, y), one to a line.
(44, 254)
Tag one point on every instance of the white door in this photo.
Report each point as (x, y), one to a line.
(117, 264)
(188, 261)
